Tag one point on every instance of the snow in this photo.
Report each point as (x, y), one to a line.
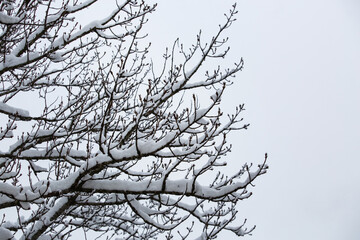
(170, 132)
(7, 134)
(57, 57)
(26, 194)
(177, 187)
(5, 234)
(203, 121)
(12, 61)
(6, 19)
(144, 147)
(201, 237)
(13, 111)
(80, 6)
(25, 205)
(46, 219)
(46, 237)
(144, 212)
(8, 175)
(37, 168)
(73, 153)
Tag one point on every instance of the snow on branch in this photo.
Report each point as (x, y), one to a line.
(112, 147)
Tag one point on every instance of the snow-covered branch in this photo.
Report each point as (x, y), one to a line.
(106, 144)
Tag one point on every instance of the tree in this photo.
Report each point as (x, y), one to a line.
(109, 145)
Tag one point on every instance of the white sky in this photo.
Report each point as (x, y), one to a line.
(301, 87)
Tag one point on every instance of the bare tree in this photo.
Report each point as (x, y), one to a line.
(110, 146)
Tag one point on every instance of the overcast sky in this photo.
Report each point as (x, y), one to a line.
(301, 87)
